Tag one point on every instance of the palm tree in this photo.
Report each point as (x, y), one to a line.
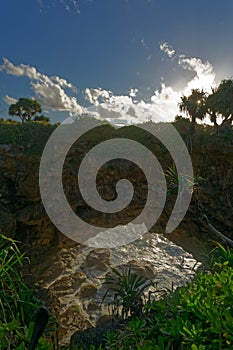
(195, 106)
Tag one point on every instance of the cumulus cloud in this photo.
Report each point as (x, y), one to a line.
(124, 109)
(49, 90)
(97, 96)
(163, 104)
(204, 75)
(10, 68)
(133, 92)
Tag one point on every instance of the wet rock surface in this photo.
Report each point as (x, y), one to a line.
(77, 290)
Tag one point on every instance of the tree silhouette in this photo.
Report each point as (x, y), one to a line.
(223, 98)
(195, 106)
(212, 107)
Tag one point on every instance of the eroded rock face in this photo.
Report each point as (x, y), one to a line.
(23, 216)
(98, 259)
(72, 274)
(77, 289)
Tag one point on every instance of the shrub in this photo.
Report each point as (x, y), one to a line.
(194, 317)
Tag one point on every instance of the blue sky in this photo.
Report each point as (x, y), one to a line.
(125, 60)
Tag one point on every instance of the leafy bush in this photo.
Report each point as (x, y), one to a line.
(195, 317)
(32, 136)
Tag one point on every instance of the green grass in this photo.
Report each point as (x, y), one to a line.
(18, 305)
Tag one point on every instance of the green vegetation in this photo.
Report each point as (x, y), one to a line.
(25, 108)
(31, 136)
(194, 106)
(174, 180)
(18, 305)
(219, 103)
(198, 316)
(127, 289)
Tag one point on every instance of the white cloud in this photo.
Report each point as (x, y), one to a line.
(123, 109)
(10, 68)
(49, 90)
(204, 75)
(96, 96)
(53, 97)
(168, 49)
(133, 92)
(117, 109)
(163, 104)
(9, 100)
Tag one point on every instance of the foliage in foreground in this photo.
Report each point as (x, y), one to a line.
(18, 304)
(195, 317)
(127, 288)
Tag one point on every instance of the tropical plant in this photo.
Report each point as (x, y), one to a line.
(223, 97)
(194, 106)
(175, 180)
(212, 107)
(198, 316)
(127, 288)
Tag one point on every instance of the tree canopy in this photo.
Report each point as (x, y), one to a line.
(25, 108)
(217, 105)
(194, 106)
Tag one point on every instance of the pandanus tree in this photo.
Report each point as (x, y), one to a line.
(212, 106)
(224, 101)
(194, 106)
(25, 108)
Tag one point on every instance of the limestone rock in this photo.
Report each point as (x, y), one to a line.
(99, 259)
(72, 319)
(87, 291)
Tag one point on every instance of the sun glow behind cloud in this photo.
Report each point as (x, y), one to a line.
(163, 104)
(54, 93)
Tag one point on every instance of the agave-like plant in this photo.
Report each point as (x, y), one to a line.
(127, 289)
(175, 180)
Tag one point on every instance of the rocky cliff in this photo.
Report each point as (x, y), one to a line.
(23, 215)
(69, 272)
